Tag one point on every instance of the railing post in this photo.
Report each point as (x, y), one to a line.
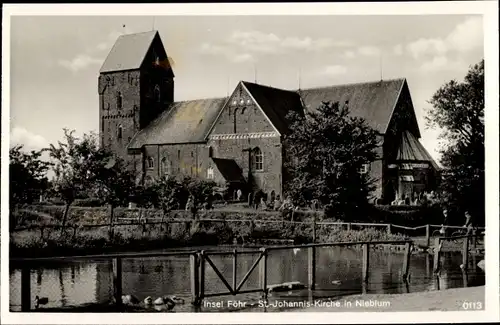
(366, 261)
(25, 289)
(389, 228)
(263, 272)
(117, 280)
(406, 261)
(349, 226)
(312, 267)
(437, 251)
(195, 281)
(465, 253)
(202, 275)
(235, 269)
(314, 228)
(427, 234)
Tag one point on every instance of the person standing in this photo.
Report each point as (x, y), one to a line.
(445, 222)
(468, 223)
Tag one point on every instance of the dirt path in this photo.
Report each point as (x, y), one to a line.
(446, 300)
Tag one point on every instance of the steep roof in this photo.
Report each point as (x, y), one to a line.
(276, 103)
(182, 122)
(373, 101)
(411, 149)
(128, 52)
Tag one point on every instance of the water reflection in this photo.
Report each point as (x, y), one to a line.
(338, 273)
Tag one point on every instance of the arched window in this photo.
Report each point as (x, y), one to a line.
(157, 93)
(119, 131)
(119, 100)
(166, 167)
(257, 160)
(210, 152)
(150, 163)
(210, 173)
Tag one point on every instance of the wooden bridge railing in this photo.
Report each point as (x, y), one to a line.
(466, 241)
(200, 260)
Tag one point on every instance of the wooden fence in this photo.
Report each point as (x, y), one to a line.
(431, 231)
(200, 260)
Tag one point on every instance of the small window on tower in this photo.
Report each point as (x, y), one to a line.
(120, 131)
(364, 169)
(119, 100)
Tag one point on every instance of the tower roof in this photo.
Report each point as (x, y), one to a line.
(129, 52)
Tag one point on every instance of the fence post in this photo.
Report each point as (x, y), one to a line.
(389, 228)
(263, 272)
(366, 261)
(235, 269)
(427, 234)
(406, 261)
(314, 228)
(25, 289)
(117, 280)
(312, 267)
(437, 251)
(195, 281)
(202, 275)
(349, 226)
(465, 253)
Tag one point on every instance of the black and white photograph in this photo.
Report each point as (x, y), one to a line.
(219, 161)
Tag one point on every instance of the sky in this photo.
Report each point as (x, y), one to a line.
(55, 60)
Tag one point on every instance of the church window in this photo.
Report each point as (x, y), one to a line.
(120, 131)
(107, 106)
(364, 169)
(150, 162)
(248, 101)
(119, 99)
(166, 166)
(157, 93)
(178, 154)
(258, 160)
(243, 110)
(234, 102)
(192, 154)
(210, 172)
(242, 101)
(210, 152)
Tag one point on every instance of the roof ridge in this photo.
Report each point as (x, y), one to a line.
(269, 87)
(131, 34)
(353, 84)
(199, 99)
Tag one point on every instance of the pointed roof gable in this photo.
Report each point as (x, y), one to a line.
(276, 103)
(373, 101)
(128, 52)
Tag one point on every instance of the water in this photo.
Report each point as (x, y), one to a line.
(338, 273)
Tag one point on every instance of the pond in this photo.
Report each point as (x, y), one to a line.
(338, 273)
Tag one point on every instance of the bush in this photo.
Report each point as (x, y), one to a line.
(368, 234)
(91, 202)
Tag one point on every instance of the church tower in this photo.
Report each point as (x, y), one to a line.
(136, 84)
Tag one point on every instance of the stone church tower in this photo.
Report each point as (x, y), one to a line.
(136, 84)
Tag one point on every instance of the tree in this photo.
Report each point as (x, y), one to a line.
(73, 166)
(458, 109)
(324, 152)
(201, 191)
(113, 181)
(28, 177)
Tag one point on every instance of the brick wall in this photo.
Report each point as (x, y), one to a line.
(112, 116)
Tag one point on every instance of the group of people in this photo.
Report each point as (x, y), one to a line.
(420, 198)
(469, 224)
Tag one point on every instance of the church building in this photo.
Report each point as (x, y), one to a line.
(238, 140)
